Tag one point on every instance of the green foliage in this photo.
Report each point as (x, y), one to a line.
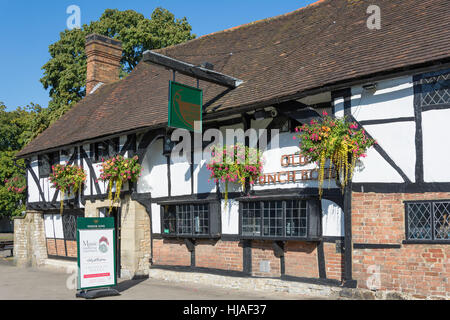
(65, 72)
(118, 170)
(12, 126)
(65, 77)
(68, 179)
(235, 163)
(337, 140)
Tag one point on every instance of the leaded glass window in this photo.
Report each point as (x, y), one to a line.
(251, 219)
(187, 220)
(69, 222)
(275, 219)
(428, 220)
(436, 90)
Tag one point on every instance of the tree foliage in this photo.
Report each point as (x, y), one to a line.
(12, 126)
(65, 72)
(65, 77)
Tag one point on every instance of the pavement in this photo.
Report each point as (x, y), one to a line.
(42, 284)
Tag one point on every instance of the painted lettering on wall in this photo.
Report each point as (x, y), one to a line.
(292, 176)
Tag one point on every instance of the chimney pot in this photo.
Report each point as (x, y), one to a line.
(103, 61)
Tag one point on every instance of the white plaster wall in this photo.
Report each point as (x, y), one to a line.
(339, 107)
(87, 183)
(57, 223)
(202, 175)
(393, 98)
(102, 185)
(230, 217)
(180, 177)
(224, 133)
(398, 140)
(332, 219)
(156, 218)
(436, 145)
(33, 191)
(272, 164)
(154, 174)
(48, 226)
(374, 168)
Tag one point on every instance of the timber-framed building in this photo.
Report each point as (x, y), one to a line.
(391, 222)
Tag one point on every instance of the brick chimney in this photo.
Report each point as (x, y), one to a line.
(103, 60)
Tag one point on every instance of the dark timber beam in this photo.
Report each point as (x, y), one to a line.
(191, 70)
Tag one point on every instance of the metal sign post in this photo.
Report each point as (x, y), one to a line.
(96, 257)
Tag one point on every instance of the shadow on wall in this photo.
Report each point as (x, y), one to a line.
(6, 225)
(386, 93)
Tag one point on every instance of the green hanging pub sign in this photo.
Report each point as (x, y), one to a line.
(185, 107)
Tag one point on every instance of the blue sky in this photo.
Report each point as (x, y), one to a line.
(29, 27)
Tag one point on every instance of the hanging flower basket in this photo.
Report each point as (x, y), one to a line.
(68, 179)
(17, 184)
(236, 164)
(337, 140)
(116, 171)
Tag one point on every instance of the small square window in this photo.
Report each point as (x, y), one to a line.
(189, 220)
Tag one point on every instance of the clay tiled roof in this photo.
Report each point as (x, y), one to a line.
(322, 44)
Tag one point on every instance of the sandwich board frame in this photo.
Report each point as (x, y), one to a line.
(95, 237)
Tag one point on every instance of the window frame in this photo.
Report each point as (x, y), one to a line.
(313, 220)
(213, 220)
(424, 82)
(433, 239)
(64, 219)
(97, 156)
(52, 159)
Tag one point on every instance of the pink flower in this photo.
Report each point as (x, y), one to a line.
(324, 113)
(294, 137)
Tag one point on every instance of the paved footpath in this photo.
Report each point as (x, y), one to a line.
(41, 284)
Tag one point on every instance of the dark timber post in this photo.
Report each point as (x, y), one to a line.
(348, 243)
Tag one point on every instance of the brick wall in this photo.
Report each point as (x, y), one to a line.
(103, 60)
(60, 247)
(71, 248)
(51, 247)
(417, 269)
(224, 255)
(301, 259)
(263, 254)
(334, 261)
(171, 253)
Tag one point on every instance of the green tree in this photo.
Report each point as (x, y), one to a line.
(65, 72)
(13, 124)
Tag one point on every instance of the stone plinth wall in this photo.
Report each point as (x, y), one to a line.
(29, 240)
(135, 237)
